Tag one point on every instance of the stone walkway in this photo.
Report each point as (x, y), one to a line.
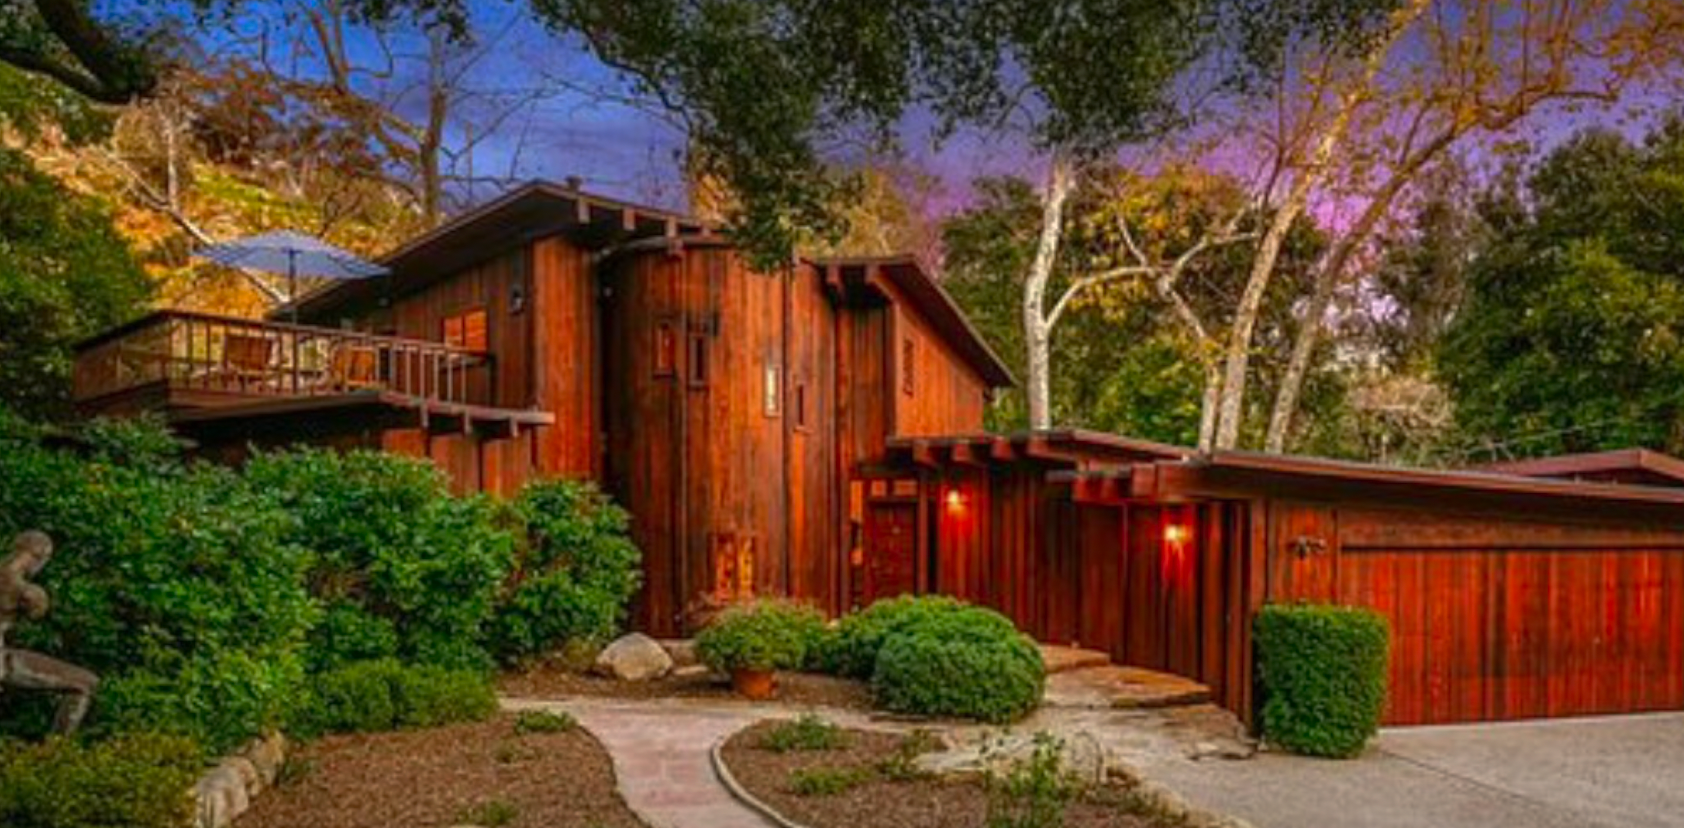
(662, 756)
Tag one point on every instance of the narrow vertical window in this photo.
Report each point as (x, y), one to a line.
(907, 360)
(666, 349)
(801, 405)
(698, 358)
(770, 398)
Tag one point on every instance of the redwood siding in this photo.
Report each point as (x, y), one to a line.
(1495, 617)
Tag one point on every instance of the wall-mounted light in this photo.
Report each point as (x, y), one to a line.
(1176, 534)
(955, 500)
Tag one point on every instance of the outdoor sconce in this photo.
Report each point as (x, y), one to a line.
(955, 500)
(517, 298)
(1304, 546)
(1176, 534)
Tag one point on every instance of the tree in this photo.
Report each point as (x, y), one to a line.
(1451, 72)
(1572, 338)
(65, 274)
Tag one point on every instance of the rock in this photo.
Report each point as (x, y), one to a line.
(221, 796)
(634, 657)
(690, 671)
(1080, 754)
(267, 755)
(250, 781)
(682, 651)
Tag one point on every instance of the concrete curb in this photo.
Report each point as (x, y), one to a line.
(738, 792)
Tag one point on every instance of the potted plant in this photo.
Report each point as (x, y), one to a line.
(751, 642)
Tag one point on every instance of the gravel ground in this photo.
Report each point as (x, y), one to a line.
(881, 803)
(446, 776)
(796, 689)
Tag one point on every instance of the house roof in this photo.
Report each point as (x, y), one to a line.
(532, 210)
(1079, 448)
(1241, 474)
(540, 208)
(1631, 465)
(909, 278)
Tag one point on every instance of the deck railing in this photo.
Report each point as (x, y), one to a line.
(189, 351)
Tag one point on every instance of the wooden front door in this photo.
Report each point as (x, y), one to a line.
(891, 551)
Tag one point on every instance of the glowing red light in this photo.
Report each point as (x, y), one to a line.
(955, 500)
(1176, 534)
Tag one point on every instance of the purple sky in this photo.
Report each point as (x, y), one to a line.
(625, 151)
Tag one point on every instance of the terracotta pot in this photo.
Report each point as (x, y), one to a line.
(759, 685)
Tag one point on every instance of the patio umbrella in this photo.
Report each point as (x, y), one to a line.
(292, 253)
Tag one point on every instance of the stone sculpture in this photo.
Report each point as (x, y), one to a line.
(27, 670)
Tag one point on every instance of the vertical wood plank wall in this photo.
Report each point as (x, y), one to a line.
(1495, 618)
(1099, 576)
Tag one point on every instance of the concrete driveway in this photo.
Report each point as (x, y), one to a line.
(1602, 773)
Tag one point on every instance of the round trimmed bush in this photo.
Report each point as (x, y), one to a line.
(764, 635)
(860, 636)
(372, 696)
(1323, 676)
(970, 662)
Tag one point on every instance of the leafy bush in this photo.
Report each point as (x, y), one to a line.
(823, 781)
(176, 583)
(1323, 675)
(1035, 791)
(861, 635)
(809, 732)
(764, 635)
(138, 781)
(371, 696)
(544, 721)
(969, 662)
(393, 548)
(574, 572)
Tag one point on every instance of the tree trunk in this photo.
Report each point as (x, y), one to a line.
(1037, 332)
(1327, 280)
(1207, 406)
(1230, 409)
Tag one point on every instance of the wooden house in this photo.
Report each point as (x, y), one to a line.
(817, 431)
(557, 333)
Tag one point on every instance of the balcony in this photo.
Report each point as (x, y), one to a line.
(199, 367)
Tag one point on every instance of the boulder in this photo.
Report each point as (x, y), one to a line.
(682, 650)
(634, 657)
(1080, 754)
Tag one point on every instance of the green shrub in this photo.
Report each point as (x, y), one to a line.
(175, 582)
(137, 781)
(575, 569)
(1035, 791)
(492, 813)
(823, 781)
(861, 635)
(371, 696)
(393, 545)
(969, 662)
(764, 635)
(1322, 671)
(544, 721)
(809, 732)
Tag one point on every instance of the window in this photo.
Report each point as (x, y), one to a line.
(769, 389)
(698, 358)
(801, 405)
(666, 349)
(466, 330)
(907, 360)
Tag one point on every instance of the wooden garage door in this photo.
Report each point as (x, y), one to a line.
(1496, 619)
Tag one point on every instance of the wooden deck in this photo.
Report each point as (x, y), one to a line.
(177, 360)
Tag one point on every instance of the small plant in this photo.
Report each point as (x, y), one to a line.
(902, 765)
(1323, 675)
(544, 721)
(510, 752)
(1035, 791)
(826, 781)
(294, 769)
(809, 732)
(764, 635)
(492, 813)
(368, 696)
